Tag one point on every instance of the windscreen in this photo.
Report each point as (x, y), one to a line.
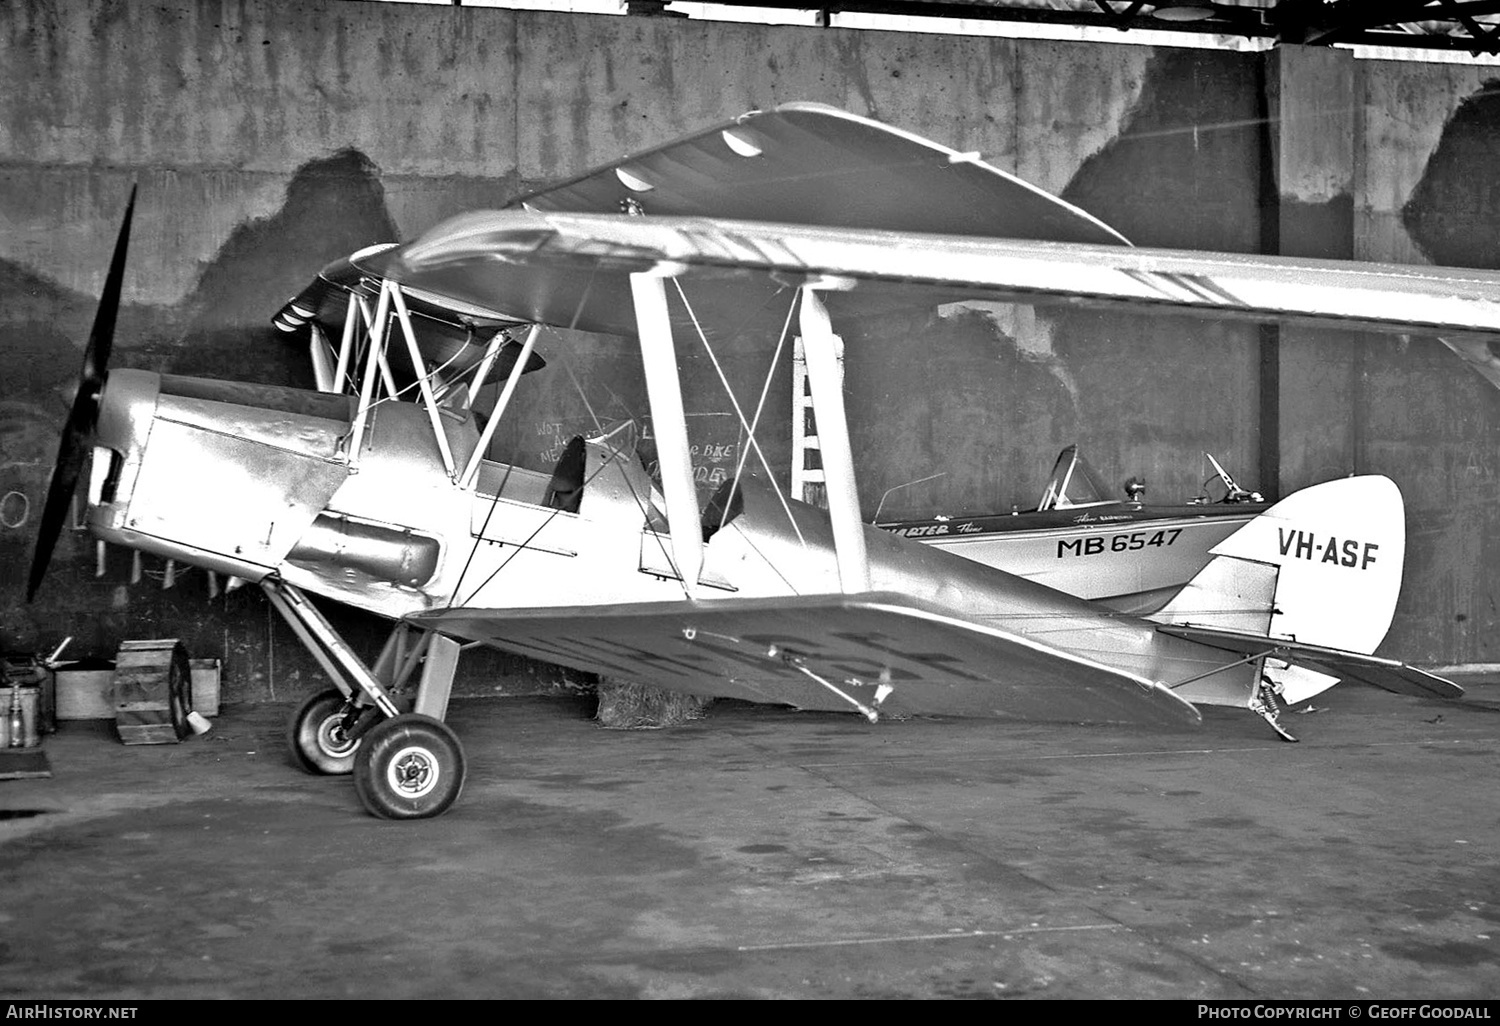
(1073, 483)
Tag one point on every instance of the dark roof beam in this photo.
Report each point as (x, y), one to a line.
(1349, 21)
(1484, 38)
(1125, 15)
(1229, 20)
(1313, 22)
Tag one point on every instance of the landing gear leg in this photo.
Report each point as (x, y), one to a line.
(1264, 704)
(406, 764)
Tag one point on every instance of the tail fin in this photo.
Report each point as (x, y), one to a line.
(1319, 568)
(1322, 567)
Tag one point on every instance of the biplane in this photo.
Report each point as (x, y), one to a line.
(379, 490)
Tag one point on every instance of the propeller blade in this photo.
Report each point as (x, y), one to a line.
(102, 335)
(84, 414)
(59, 498)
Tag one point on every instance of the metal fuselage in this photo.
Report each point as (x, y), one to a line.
(254, 481)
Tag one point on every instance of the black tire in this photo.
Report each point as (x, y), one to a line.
(409, 767)
(180, 691)
(316, 736)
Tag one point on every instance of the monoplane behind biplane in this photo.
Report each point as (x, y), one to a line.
(379, 492)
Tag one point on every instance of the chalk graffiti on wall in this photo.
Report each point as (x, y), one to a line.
(554, 436)
(15, 509)
(27, 446)
(713, 457)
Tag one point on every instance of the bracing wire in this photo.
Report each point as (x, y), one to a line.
(745, 425)
(643, 505)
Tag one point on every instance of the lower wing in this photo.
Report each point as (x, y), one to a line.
(872, 653)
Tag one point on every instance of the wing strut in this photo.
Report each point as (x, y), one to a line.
(496, 414)
(388, 378)
(341, 379)
(317, 351)
(378, 328)
(820, 345)
(429, 400)
(482, 374)
(669, 423)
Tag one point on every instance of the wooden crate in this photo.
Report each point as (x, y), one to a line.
(205, 686)
(85, 694)
(89, 694)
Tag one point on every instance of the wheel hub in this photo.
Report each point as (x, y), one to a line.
(413, 772)
(333, 740)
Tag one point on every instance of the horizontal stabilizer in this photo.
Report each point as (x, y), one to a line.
(1390, 674)
(868, 652)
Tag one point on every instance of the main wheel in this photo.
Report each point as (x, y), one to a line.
(409, 767)
(316, 735)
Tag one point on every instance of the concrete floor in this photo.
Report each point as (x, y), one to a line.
(763, 853)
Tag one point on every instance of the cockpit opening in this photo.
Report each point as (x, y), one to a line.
(565, 490)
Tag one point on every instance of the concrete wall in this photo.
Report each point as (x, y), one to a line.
(270, 137)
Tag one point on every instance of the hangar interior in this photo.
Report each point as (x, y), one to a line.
(268, 139)
(759, 852)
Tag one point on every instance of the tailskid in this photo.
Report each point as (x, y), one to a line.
(1264, 705)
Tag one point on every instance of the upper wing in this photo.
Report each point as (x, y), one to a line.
(831, 652)
(572, 269)
(807, 163)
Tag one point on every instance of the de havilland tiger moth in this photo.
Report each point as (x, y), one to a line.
(378, 490)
